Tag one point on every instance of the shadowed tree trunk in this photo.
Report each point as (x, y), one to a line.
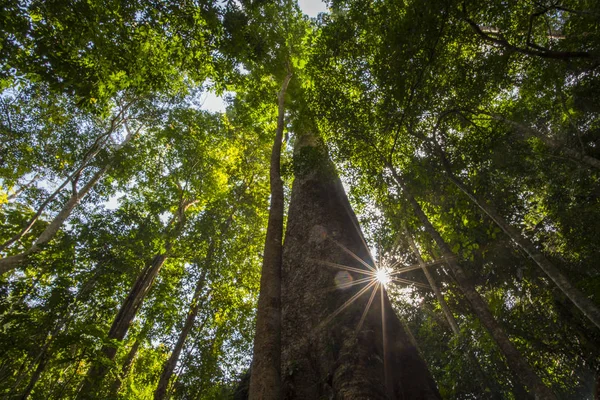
(515, 360)
(132, 304)
(484, 382)
(328, 350)
(585, 305)
(163, 383)
(438, 294)
(128, 363)
(266, 359)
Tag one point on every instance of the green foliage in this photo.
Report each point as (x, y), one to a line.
(504, 95)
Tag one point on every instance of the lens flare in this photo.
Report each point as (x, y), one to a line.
(382, 275)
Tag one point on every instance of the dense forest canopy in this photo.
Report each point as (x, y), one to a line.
(133, 221)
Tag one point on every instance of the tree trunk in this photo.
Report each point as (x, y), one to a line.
(132, 304)
(122, 322)
(585, 305)
(9, 263)
(451, 321)
(514, 359)
(266, 360)
(127, 364)
(332, 346)
(438, 294)
(548, 141)
(36, 375)
(163, 383)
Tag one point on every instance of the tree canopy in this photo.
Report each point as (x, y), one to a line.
(466, 134)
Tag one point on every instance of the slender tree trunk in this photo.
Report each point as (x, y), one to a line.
(438, 294)
(451, 321)
(127, 364)
(72, 178)
(131, 305)
(266, 361)
(122, 322)
(11, 262)
(35, 377)
(585, 305)
(548, 141)
(514, 359)
(339, 340)
(163, 383)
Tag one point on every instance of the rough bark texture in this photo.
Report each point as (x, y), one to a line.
(324, 355)
(266, 359)
(163, 383)
(515, 360)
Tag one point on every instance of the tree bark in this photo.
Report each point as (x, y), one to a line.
(163, 383)
(333, 347)
(585, 305)
(514, 359)
(266, 360)
(122, 322)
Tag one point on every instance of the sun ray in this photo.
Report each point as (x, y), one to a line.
(340, 266)
(345, 305)
(346, 285)
(364, 314)
(363, 262)
(406, 269)
(353, 283)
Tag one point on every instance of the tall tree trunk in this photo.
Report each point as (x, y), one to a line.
(122, 322)
(528, 132)
(514, 359)
(132, 304)
(266, 361)
(163, 383)
(171, 363)
(450, 320)
(128, 363)
(438, 294)
(35, 376)
(74, 176)
(585, 305)
(11, 262)
(332, 346)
